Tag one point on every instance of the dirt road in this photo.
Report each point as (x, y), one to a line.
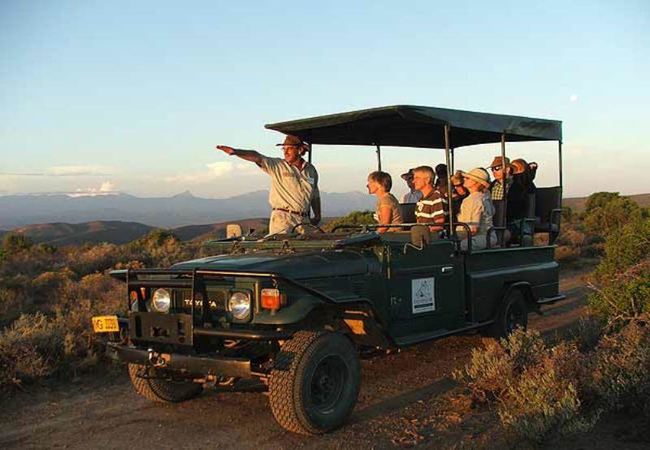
(103, 412)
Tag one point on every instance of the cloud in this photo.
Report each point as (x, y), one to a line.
(573, 97)
(64, 171)
(221, 168)
(107, 186)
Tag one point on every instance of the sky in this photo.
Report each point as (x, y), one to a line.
(125, 96)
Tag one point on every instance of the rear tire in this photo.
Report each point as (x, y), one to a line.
(314, 383)
(512, 315)
(161, 390)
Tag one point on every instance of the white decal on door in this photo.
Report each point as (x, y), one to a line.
(423, 295)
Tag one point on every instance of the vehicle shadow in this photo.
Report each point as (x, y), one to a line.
(402, 400)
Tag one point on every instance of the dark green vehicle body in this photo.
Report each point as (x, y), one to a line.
(377, 291)
(375, 276)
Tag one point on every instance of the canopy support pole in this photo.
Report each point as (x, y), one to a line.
(449, 191)
(505, 188)
(559, 147)
(378, 157)
(309, 157)
(450, 169)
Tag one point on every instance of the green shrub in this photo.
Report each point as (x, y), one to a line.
(29, 349)
(539, 390)
(491, 368)
(622, 368)
(611, 216)
(621, 282)
(354, 218)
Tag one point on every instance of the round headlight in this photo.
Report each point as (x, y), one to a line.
(161, 300)
(239, 305)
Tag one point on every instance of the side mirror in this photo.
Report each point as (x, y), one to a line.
(420, 235)
(233, 230)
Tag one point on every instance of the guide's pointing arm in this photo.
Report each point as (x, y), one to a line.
(248, 155)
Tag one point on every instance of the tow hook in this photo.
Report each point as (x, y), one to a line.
(157, 359)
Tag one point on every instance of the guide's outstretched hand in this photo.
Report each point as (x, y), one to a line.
(226, 149)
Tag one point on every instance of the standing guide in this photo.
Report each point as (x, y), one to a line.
(294, 184)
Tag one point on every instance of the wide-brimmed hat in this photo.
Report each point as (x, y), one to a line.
(498, 161)
(408, 174)
(293, 141)
(479, 175)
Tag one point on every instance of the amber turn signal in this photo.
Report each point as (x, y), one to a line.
(273, 299)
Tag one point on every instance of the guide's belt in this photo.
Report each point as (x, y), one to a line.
(301, 214)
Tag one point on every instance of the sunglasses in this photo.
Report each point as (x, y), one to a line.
(496, 168)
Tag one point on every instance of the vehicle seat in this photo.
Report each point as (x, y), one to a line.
(548, 212)
(408, 212)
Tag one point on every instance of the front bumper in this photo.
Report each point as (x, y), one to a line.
(190, 365)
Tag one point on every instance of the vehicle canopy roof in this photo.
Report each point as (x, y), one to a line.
(418, 126)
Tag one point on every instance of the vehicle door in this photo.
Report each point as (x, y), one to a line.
(425, 288)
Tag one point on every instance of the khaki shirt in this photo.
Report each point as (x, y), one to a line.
(291, 188)
(477, 211)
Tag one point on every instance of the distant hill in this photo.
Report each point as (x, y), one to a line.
(61, 234)
(578, 204)
(217, 230)
(118, 232)
(165, 212)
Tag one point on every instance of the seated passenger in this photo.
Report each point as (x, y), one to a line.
(413, 195)
(459, 193)
(432, 208)
(519, 197)
(499, 191)
(388, 209)
(477, 210)
(441, 178)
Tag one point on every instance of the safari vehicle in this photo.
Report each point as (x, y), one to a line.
(298, 311)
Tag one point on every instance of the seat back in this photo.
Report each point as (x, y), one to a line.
(548, 203)
(408, 212)
(531, 204)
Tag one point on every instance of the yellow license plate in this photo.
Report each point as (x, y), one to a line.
(105, 324)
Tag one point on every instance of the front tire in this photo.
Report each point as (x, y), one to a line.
(146, 384)
(314, 383)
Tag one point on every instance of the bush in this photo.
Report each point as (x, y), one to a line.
(537, 388)
(354, 218)
(621, 282)
(566, 254)
(622, 368)
(500, 362)
(611, 215)
(29, 349)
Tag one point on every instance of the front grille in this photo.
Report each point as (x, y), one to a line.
(216, 301)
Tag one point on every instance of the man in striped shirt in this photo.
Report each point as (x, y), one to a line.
(432, 207)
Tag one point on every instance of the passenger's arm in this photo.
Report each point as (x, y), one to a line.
(248, 155)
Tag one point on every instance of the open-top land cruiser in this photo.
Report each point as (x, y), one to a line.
(295, 311)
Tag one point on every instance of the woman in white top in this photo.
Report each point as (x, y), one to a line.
(477, 209)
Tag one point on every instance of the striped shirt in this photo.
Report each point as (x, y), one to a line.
(431, 208)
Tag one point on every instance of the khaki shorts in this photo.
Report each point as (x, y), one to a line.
(283, 222)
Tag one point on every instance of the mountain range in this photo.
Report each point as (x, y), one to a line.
(166, 212)
(58, 210)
